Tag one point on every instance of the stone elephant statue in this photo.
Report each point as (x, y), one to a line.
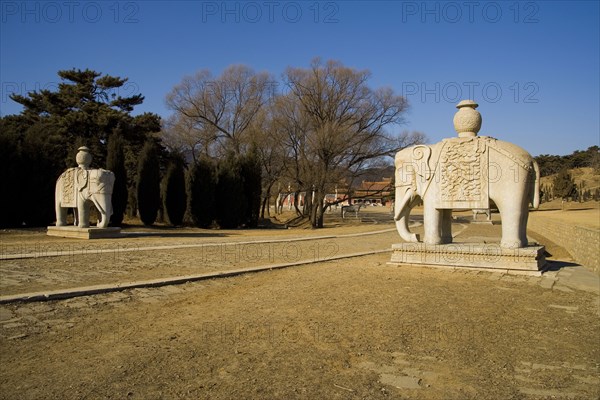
(465, 173)
(79, 188)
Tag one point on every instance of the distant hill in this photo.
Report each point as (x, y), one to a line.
(377, 174)
(552, 164)
(587, 175)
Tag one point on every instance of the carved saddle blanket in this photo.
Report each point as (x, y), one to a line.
(73, 180)
(463, 174)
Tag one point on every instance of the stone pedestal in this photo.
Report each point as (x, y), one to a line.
(529, 260)
(84, 233)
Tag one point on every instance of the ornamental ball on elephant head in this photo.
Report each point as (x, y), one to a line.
(83, 158)
(467, 120)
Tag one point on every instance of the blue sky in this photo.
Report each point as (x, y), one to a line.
(533, 66)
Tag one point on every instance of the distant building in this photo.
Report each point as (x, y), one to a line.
(368, 193)
(374, 193)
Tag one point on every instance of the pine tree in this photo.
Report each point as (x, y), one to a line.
(115, 162)
(148, 184)
(201, 186)
(44, 138)
(85, 107)
(173, 192)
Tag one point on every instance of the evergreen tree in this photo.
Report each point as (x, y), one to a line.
(201, 186)
(564, 185)
(85, 106)
(173, 191)
(84, 110)
(115, 162)
(230, 199)
(13, 178)
(148, 184)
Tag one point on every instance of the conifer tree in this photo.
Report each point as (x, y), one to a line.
(115, 162)
(148, 184)
(173, 192)
(230, 198)
(200, 186)
(85, 109)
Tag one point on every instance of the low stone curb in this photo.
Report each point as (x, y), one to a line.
(117, 287)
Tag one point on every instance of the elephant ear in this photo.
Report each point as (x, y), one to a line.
(421, 155)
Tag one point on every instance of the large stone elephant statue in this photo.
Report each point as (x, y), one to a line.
(465, 173)
(79, 188)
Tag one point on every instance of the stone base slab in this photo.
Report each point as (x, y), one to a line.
(84, 233)
(529, 260)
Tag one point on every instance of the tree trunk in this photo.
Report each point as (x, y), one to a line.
(262, 208)
(265, 202)
(296, 195)
(317, 214)
(306, 209)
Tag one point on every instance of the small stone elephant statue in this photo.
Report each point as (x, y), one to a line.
(81, 187)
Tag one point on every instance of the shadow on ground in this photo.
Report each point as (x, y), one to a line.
(557, 265)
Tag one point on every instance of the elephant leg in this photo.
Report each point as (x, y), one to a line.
(446, 226)
(61, 212)
(514, 224)
(104, 207)
(83, 214)
(61, 215)
(522, 227)
(432, 219)
(105, 215)
(103, 222)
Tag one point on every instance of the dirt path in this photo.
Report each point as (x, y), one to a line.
(345, 329)
(329, 330)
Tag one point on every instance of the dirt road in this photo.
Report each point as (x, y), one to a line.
(344, 329)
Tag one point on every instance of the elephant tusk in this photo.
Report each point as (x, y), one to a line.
(401, 217)
(406, 200)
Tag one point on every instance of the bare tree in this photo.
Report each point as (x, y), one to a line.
(227, 103)
(329, 126)
(335, 126)
(184, 135)
(267, 139)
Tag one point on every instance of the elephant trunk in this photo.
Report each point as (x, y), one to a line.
(103, 204)
(536, 186)
(402, 211)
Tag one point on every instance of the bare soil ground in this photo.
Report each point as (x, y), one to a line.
(345, 329)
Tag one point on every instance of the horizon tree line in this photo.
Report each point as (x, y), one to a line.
(217, 160)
